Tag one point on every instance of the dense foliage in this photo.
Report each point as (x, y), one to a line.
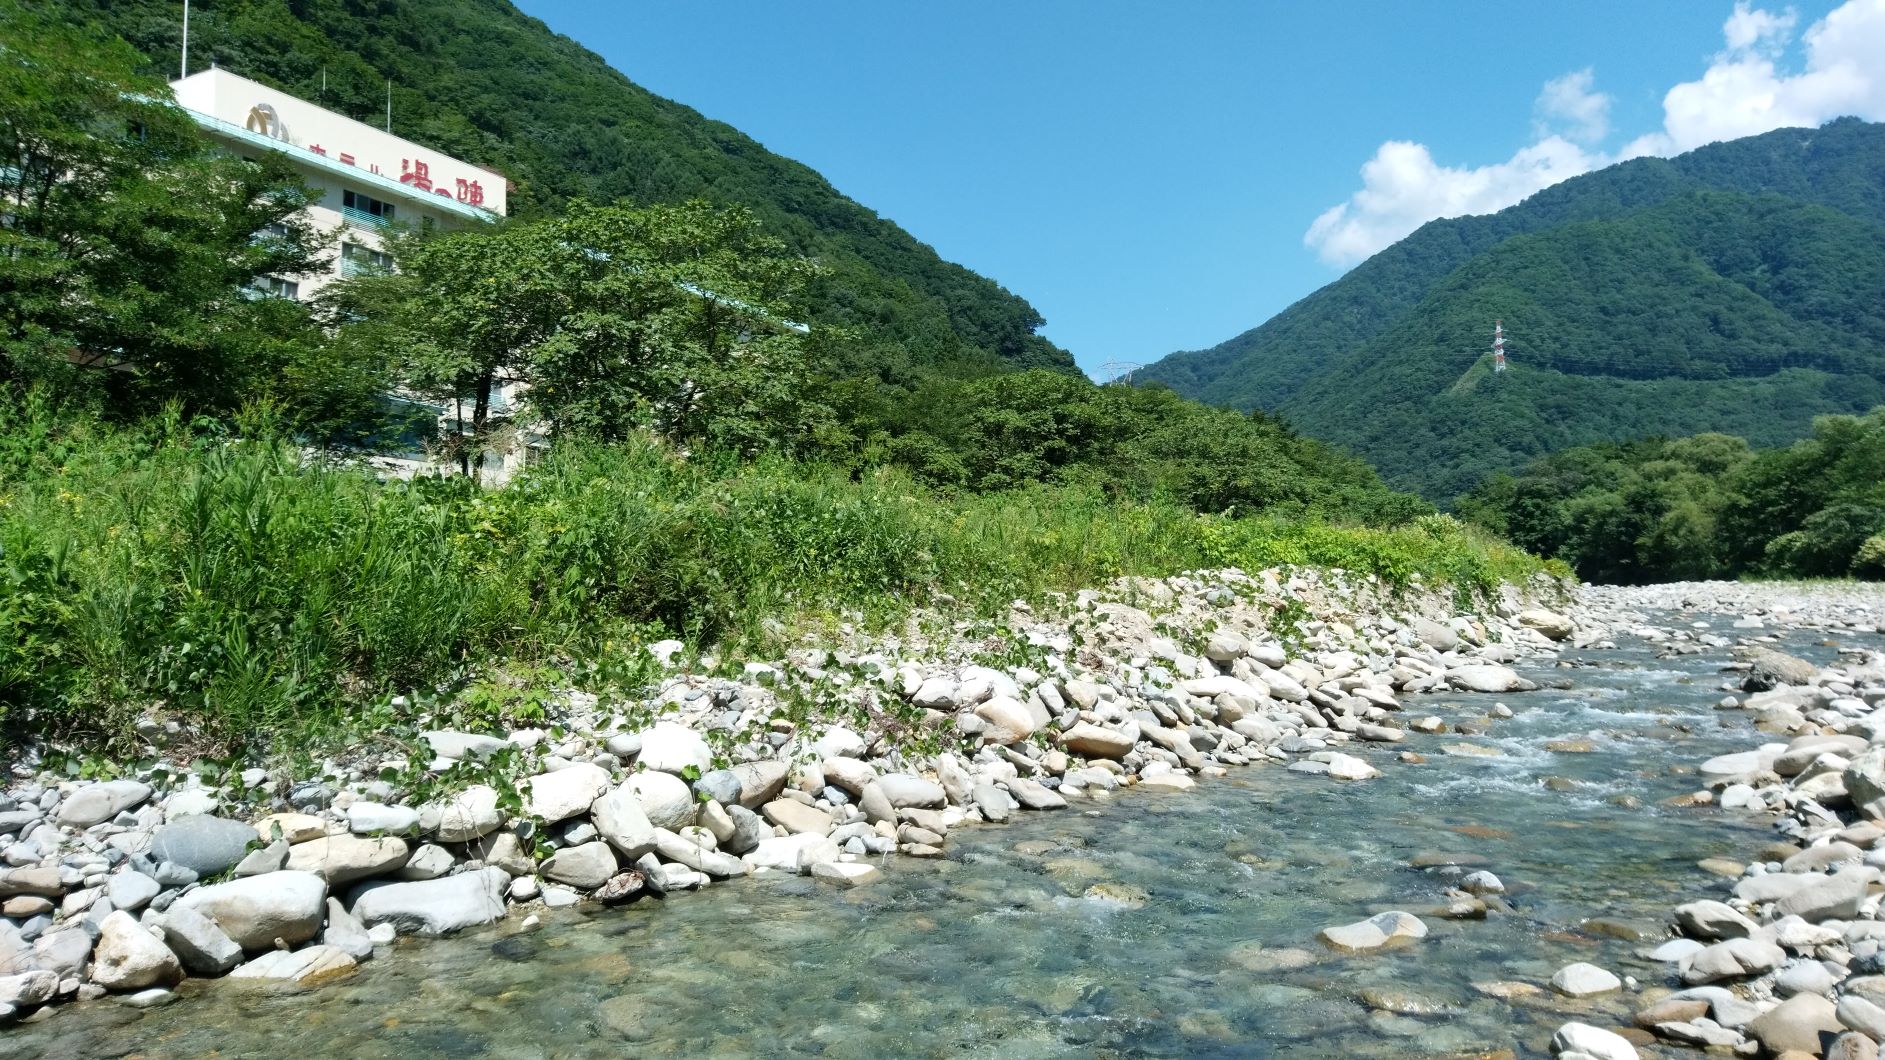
(1733, 288)
(125, 245)
(484, 82)
(1707, 506)
(189, 530)
(250, 593)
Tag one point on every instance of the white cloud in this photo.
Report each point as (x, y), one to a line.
(1570, 106)
(1751, 29)
(1747, 89)
(1404, 188)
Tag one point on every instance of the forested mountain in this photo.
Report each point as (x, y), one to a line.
(485, 82)
(1707, 506)
(1735, 288)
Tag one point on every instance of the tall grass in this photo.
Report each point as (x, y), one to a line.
(234, 584)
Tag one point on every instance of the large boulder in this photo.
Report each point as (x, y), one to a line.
(1584, 980)
(1769, 669)
(585, 867)
(95, 803)
(26, 989)
(204, 948)
(697, 856)
(1865, 782)
(1835, 897)
(1796, 1024)
(345, 858)
(1093, 741)
(434, 907)
(207, 846)
(665, 798)
(797, 817)
(257, 910)
(1486, 677)
(1733, 959)
(1712, 920)
(129, 957)
(564, 793)
(1009, 720)
(622, 823)
(850, 774)
(1549, 623)
(307, 966)
(905, 790)
(670, 747)
(761, 782)
(468, 815)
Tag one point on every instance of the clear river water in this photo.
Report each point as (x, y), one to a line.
(995, 951)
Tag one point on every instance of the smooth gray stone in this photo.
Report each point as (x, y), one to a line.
(206, 846)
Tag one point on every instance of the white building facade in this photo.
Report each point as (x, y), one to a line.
(368, 182)
(367, 178)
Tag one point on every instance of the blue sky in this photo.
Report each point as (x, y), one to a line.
(1146, 174)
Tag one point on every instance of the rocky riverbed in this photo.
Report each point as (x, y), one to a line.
(1142, 705)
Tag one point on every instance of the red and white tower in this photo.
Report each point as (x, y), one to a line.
(1498, 345)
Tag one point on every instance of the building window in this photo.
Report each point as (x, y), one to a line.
(365, 210)
(357, 260)
(272, 287)
(274, 233)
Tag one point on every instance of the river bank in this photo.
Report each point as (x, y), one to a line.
(813, 764)
(1120, 647)
(1788, 961)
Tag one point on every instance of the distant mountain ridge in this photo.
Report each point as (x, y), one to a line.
(1740, 287)
(485, 82)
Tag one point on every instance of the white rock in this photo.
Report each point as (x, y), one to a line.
(129, 957)
(670, 747)
(564, 793)
(257, 910)
(366, 818)
(1592, 1042)
(309, 965)
(665, 799)
(469, 815)
(1008, 720)
(1584, 980)
(434, 907)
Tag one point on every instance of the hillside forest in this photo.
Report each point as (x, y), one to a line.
(1733, 289)
(1707, 506)
(184, 520)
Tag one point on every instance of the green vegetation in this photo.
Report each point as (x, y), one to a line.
(484, 82)
(1703, 507)
(250, 592)
(1730, 289)
(187, 532)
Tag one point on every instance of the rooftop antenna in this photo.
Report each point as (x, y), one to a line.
(183, 68)
(389, 104)
(1120, 371)
(1498, 345)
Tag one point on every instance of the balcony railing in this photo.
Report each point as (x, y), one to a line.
(364, 219)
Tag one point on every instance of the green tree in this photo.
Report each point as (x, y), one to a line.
(129, 244)
(676, 319)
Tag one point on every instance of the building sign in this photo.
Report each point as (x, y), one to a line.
(263, 119)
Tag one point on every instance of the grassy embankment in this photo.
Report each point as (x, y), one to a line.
(254, 596)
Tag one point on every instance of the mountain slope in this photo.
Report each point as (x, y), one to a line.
(480, 79)
(1713, 311)
(1733, 288)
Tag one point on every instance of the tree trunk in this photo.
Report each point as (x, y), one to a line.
(480, 414)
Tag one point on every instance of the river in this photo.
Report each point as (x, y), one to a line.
(998, 951)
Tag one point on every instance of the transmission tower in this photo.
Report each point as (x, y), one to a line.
(1120, 371)
(1498, 345)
